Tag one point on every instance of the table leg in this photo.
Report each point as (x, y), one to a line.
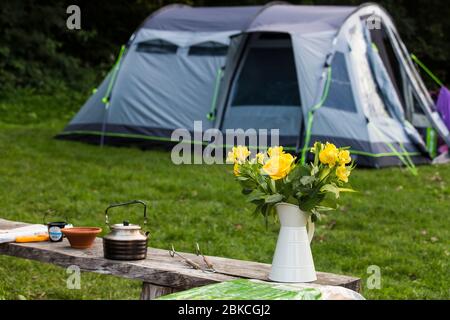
(152, 291)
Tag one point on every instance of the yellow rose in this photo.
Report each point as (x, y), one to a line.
(275, 151)
(329, 154)
(344, 157)
(343, 173)
(260, 157)
(230, 157)
(316, 144)
(277, 167)
(241, 153)
(236, 169)
(238, 154)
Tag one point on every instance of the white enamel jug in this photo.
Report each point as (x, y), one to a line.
(293, 261)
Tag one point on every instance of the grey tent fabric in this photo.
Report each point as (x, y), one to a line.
(185, 18)
(390, 95)
(384, 82)
(164, 100)
(302, 19)
(308, 71)
(93, 110)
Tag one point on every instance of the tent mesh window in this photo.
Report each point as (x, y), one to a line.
(157, 46)
(209, 48)
(340, 95)
(268, 76)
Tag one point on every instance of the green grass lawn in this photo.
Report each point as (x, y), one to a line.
(397, 221)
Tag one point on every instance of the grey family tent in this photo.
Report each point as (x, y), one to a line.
(329, 73)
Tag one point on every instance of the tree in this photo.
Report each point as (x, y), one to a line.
(37, 50)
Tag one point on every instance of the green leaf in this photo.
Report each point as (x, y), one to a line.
(310, 201)
(248, 184)
(329, 201)
(258, 209)
(292, 200)
(314, 170)
(325, 172)
(256, 195)
(331, 188)
(274, 198)
(307, 180)
(266, 209)
(323, 208)
(272, 185)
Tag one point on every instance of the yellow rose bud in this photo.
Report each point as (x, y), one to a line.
(344, 157)
(241, 153)
(343, 173)
(275, 151)
(236, 169)
(231, 158)
(278, 167)
(238, 154)
(316, 144)
(260, 157)
(329, 155)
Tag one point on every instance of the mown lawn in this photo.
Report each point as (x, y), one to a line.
(397, 221)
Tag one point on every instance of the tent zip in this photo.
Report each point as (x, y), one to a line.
(211, 116)
(311, 114)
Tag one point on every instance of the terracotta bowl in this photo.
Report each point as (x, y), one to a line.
(81, 237)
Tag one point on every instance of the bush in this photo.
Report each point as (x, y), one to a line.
(29, 106)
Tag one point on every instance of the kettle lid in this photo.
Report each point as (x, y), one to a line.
(125, 225)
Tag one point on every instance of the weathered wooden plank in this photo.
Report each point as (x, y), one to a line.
(174, 274)
(159, 268)
(151, 291)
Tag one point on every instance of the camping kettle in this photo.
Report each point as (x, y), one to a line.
(125, 241)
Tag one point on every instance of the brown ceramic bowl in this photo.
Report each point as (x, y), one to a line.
(81, 237)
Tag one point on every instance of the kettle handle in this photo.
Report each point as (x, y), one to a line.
(126, 204)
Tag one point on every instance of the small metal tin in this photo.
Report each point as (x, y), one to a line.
(54, 228)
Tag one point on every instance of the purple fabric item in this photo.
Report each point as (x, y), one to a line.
(443, 106)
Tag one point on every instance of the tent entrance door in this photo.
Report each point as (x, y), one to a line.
(265, 92)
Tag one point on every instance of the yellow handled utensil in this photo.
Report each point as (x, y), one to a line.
(36, 238)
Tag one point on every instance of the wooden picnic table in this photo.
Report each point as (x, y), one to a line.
(160, 273)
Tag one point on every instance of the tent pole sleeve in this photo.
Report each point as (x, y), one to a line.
(428, 71)
(310, 119)
(107, 96)
(212, 112)
(105, 117)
